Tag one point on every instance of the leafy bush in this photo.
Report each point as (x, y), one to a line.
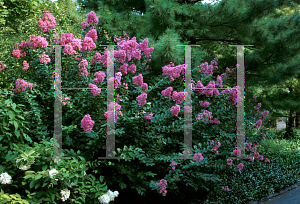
(147, 149)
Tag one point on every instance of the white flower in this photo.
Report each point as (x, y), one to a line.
(56, 160)
(84, 173)
(24, 168)
(5, 178)
(65, 194)
(109, 196)
(53, 172)
(104, 199)
(27, 166)
(116, 193)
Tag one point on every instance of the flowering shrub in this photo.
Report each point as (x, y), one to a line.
(154, 140)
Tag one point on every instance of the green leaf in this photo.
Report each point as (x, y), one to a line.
(11, 114)
(52, 197)
(38, 177)
(17, 133)
(14, 106)
(21, 117)
(44, 184)
(37, 184)
(32, 183)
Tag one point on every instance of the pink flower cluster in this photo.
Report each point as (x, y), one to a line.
(229, 162)
(207, 69)
(111, 107)
(204, 104)
(95, 58)
(92, 34)
(94, 89)
(87, 123)
(44, 58)
(184, 152)
(84, 24)
(173, 164)
(173, 72)
(20, 83)
(178, 97)
(148, 117)
(35, 42)
(25, 65)
(215, 147)
(198, 157)
(99, 77)
(67, 98)
(3, 66)
(163, 183)
(240, 166)
(225, 188)
(91, 18)
(82, 67)
(237, 152)
(142, 99)
(47, 22)
(207, 116)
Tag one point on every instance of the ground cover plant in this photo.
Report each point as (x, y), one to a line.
(148, 144)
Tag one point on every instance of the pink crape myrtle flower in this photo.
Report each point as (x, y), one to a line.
(94, 89)
(229, 161)
(44, 58)
(258, 123)
(84, 24)
(225, 188)
(144, 87)
(92, 34)
(25, 65)
(22, 84)
(237, 152)
(88, 44)
(163, 183)
(178, 97)
(3, 66)
(87, 123)
(198, 157)
(138, 80)
(167, 92)
(132, 68)
(175, 110)
(99, 77)
(142, 99)
(47, 22)
(96, 58)
(240, 166)
(204, 104)
(92, 17)
(148, 117)
(173, 164)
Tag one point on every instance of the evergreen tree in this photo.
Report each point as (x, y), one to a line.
(270, 26)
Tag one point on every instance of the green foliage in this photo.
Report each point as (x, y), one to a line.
(147, 149)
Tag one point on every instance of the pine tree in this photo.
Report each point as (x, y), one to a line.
(270, 26)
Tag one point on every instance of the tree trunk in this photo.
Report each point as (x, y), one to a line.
(290, 125)
(297, 124)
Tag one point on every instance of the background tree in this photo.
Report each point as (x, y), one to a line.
(270, 26)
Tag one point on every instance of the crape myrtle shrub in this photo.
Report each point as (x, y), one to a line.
(147, 148)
